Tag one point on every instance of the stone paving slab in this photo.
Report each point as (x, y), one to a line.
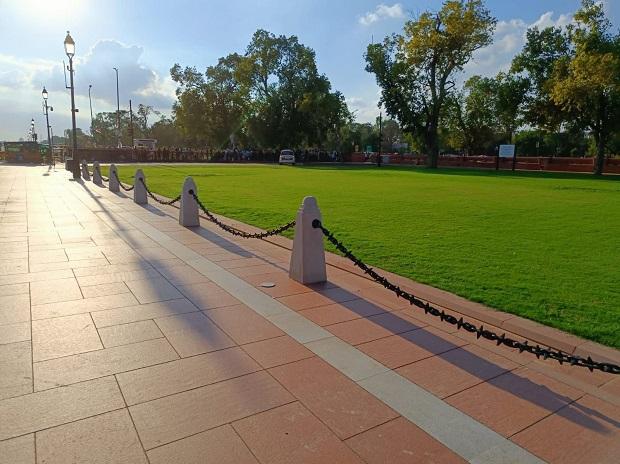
(161, 338)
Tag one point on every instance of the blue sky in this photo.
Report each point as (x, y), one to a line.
(145, 38)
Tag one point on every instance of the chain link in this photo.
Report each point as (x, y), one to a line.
(126, 189)
(161, 202)
(239, 233)
(536, 350)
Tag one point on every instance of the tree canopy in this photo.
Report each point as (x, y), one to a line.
(416, 70)
(272, 96)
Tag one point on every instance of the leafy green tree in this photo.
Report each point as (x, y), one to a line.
(416, 70)
(83, 140)
(536, 63)
(588, 82)
(509, 96)
(470, 117)
(210, 107)
(291, 103)
(166, 132)
(104, 132)
(142, 119)
(273, 96)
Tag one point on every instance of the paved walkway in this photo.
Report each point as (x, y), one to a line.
(125, 338)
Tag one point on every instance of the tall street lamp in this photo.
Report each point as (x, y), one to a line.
(118, 113)
(47, 119)
(90, 103)
(70, 51)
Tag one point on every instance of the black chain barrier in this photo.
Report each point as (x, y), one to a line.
(161, 202)
(239, 233)
(126, 189)
(538, 351)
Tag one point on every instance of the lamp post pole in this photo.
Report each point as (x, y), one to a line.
(90, 103)
(70, 51)
(118, 113)
(47, 120)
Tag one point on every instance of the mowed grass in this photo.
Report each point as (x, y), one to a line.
(543, 246)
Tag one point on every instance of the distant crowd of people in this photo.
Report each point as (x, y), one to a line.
(193, 155)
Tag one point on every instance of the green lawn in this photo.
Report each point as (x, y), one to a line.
(543, 246)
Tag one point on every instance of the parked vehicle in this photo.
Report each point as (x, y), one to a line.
(287, 157)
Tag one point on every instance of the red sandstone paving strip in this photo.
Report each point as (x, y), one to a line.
(399, 350)
(456, 370)
(515, 400)
(110, 435)
(178, 416)
(401, 442)
(193, 333)
(340, 403)
(585, 431)
(243, 324)
(277, 351)
(300, 438)
(222, 445)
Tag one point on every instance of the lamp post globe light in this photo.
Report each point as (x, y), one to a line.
(70, 51)
(47, 109)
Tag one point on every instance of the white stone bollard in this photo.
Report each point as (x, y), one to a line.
(308, 257)
(85, 174)
(112, 182)
(188, 212)
(139, 191)
(97, 174)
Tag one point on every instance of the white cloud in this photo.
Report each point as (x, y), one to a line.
(21, 82)
(366, 109)
(381, 12)
(508, 40)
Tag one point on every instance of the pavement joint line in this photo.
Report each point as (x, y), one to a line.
(462, 434)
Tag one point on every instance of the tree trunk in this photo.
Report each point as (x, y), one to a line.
(432, 146)
(600, 156)
(600, 145)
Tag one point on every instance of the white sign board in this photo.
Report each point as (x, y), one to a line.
(506, 151)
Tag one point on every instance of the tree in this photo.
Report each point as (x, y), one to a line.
(104, 132)
(588, 82)
(470, 117)
(166, 132)
(210, 107)
(83, 140)
(415, 71)
(509, 97)
(291, 103)
(536, 62)
(144, 111)
(273, 96)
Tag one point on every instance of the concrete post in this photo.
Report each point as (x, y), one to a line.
(85, 174)
(112, 182)
(139, 191)
(188, 212)
(308, 257)
(97, 174)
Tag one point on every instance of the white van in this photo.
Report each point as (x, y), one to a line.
(287, 157)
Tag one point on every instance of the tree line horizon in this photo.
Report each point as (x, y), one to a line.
(560, 96)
